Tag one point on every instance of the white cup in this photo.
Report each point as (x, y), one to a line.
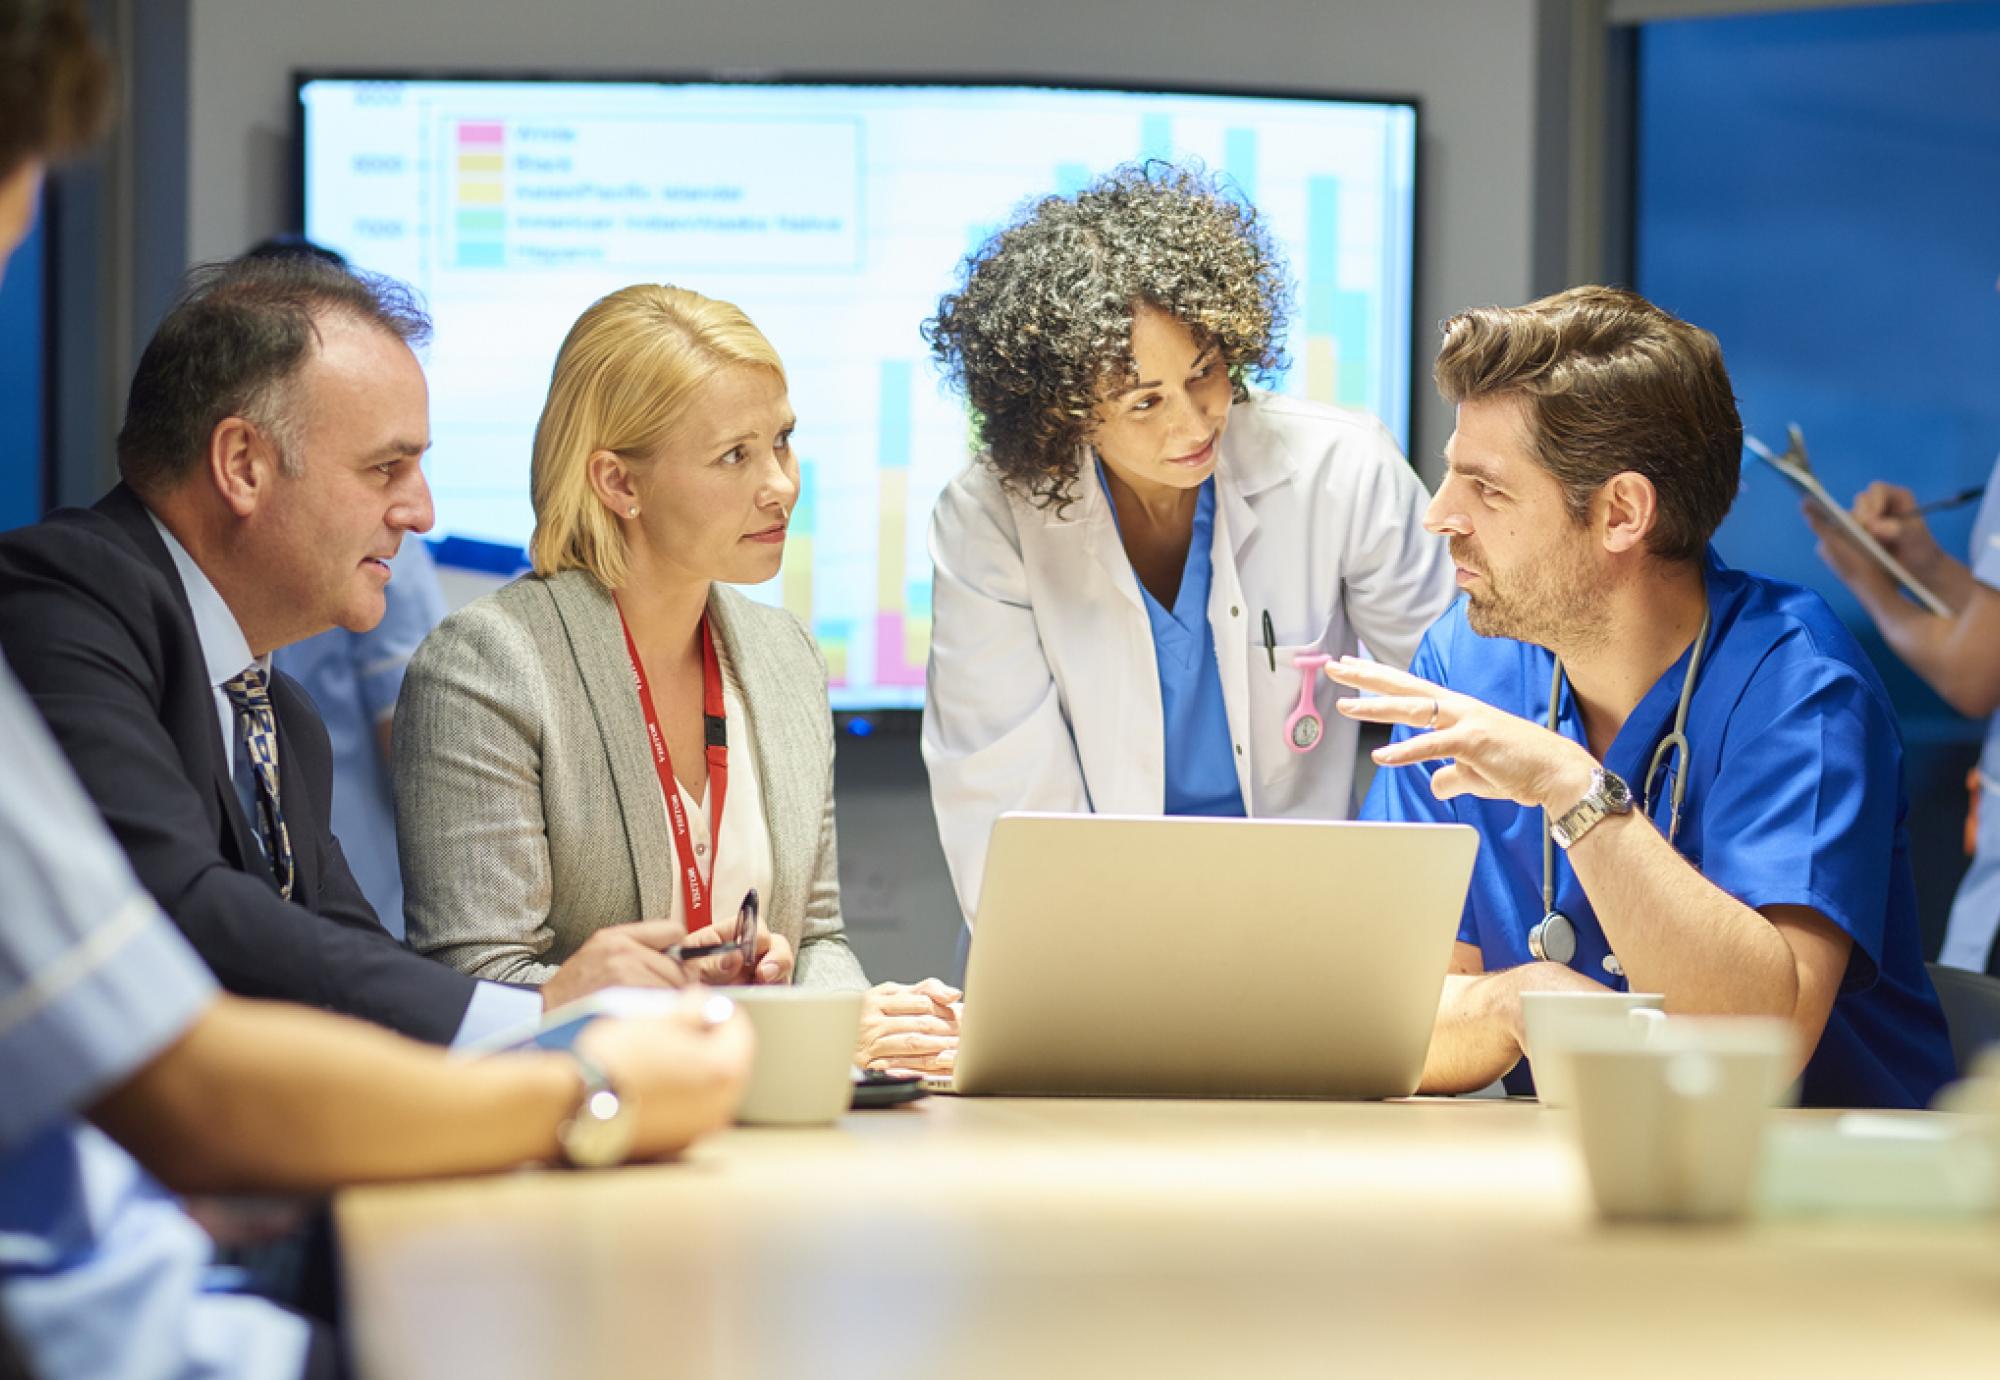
(802, 1074)
(1556, 1021)
(1674, 1128)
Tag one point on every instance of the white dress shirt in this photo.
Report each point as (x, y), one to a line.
(226, 653)
(744, 844)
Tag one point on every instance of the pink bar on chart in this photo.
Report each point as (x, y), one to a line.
(482, 132)
(888, 648)
(892, 665)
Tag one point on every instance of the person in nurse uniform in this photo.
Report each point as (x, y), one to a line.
(1135, 576)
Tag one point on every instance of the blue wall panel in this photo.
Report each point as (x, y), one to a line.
(1822, 190)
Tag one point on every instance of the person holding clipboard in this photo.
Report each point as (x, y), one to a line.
(1956, 652)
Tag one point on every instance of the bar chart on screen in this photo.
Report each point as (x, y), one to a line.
(834, 216)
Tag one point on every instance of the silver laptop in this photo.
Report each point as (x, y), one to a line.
(1175, 957)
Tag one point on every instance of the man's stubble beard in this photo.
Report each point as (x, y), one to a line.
(1558, 605)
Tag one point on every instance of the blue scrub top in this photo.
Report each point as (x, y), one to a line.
(1200, 760)
(1975, 911)
(101, 1272)
(354, 679)
(1795, 797)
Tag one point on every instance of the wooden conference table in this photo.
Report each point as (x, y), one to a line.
(1036, 1238)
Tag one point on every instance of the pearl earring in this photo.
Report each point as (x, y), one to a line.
(633, 511)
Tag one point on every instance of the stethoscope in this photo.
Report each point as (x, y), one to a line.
(1553, 940)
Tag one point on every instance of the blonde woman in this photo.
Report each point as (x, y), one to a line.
(619, 736)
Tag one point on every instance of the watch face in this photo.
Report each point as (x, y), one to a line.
(600, 1134)
(1617, 795)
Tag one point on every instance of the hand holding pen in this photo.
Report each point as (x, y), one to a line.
(742, 951)
(1891, 514)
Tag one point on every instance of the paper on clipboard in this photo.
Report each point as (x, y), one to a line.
(1796, 468)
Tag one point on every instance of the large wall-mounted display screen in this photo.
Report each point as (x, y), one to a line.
(834, 214)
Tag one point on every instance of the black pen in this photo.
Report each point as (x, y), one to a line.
(1957, 500)
(1270, 641)
(742, 945)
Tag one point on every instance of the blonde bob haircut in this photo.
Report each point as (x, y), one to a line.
(628, 372)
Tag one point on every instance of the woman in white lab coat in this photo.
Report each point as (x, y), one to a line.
(1126, 574)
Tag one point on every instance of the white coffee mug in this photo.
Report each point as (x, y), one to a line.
(1675, 1128)
(802, 1074)
(1555, 1021)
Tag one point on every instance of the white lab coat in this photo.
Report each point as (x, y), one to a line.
(1044, 693)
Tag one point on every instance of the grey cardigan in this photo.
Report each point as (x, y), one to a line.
(527, 806)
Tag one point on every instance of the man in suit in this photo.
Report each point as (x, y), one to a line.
(270, 463)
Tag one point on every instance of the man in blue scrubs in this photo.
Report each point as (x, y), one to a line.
(1597, 450)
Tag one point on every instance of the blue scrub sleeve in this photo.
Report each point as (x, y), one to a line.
(94, 980)
(1809, 790)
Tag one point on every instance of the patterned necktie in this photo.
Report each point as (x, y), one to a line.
(252, 698)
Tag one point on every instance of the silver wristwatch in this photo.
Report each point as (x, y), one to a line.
(600, 1131)
(1608, 795)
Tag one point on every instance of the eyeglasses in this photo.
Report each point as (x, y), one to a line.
(743, 946)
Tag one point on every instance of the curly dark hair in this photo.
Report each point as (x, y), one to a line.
(1041, 322)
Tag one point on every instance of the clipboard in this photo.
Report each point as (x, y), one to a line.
(1796, 469)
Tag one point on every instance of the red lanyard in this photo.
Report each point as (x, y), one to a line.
(715, 732)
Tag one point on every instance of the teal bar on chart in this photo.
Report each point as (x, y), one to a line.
(1239, 161)
(894, 450)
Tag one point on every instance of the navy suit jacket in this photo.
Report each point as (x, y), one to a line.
(95, 624)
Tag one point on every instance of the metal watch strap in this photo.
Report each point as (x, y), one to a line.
(595, 1135)
(1608, 795)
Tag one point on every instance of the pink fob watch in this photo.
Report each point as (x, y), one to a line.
(1303, 729)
